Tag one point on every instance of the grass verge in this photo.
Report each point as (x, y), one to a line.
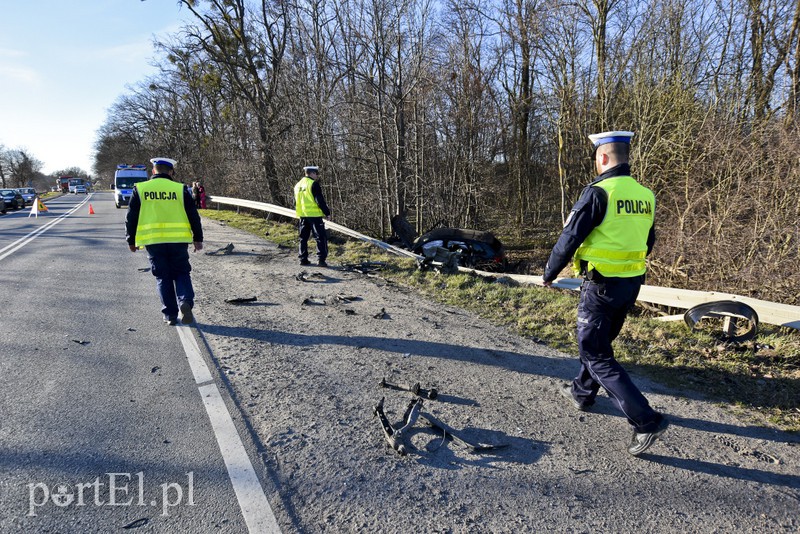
(760, 380)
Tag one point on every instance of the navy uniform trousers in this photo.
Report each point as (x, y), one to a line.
(601, 314)
(169, 263)
(315, 226)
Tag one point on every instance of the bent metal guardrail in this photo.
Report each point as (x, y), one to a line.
(768, 312)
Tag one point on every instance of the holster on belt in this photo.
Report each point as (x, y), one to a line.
(591, 274)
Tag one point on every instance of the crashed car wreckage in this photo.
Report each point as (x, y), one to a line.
(471, 248)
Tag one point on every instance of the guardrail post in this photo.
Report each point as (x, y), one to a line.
(729, 326)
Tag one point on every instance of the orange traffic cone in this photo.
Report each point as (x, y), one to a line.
(91, 211)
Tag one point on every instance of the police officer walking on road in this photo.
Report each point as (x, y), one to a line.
(311, 207)
(608, 234)
(163, 218)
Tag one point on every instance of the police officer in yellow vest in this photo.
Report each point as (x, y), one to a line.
(311, 207)
(607, 235)
(163, 218)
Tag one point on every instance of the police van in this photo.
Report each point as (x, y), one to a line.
(125, 177)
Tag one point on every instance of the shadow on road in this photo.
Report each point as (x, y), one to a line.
(727, 471)
(554, 367)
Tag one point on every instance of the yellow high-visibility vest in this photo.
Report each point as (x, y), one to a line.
(618, 246)
(162, 216)
(304, 203)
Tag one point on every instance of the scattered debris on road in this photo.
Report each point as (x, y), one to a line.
(241, 300)
(381, 314)
(345, 299)
(430, 394)
(305, 276)
(449, 432)
(136, 524)
(227, 249)
(394, 436)
(365, 267)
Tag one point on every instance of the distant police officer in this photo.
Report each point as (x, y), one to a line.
(163, 218)
(310, 207)
(608, 233)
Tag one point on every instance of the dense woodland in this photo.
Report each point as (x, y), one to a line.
(475, 113)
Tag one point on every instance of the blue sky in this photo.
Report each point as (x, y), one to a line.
(64, 62)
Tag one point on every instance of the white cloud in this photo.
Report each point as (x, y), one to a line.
(134, 53)
(24, 75)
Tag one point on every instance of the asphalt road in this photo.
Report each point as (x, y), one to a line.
(102, 424)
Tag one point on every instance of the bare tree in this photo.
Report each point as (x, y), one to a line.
(773, 29)
(248, 46)
(18, 167)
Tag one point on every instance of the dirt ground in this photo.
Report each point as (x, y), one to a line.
(305, 361)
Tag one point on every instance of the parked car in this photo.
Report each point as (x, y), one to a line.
(478, 249)
(28, 193)
(13, 199)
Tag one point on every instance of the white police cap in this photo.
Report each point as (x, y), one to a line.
(610, 137)
(313, 169)
(167, 162)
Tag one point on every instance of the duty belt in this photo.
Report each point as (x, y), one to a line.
(593, 275)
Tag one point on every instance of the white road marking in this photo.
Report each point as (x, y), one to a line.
(255, 508)
(257, 513)
(196, 362)
(22, 241)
